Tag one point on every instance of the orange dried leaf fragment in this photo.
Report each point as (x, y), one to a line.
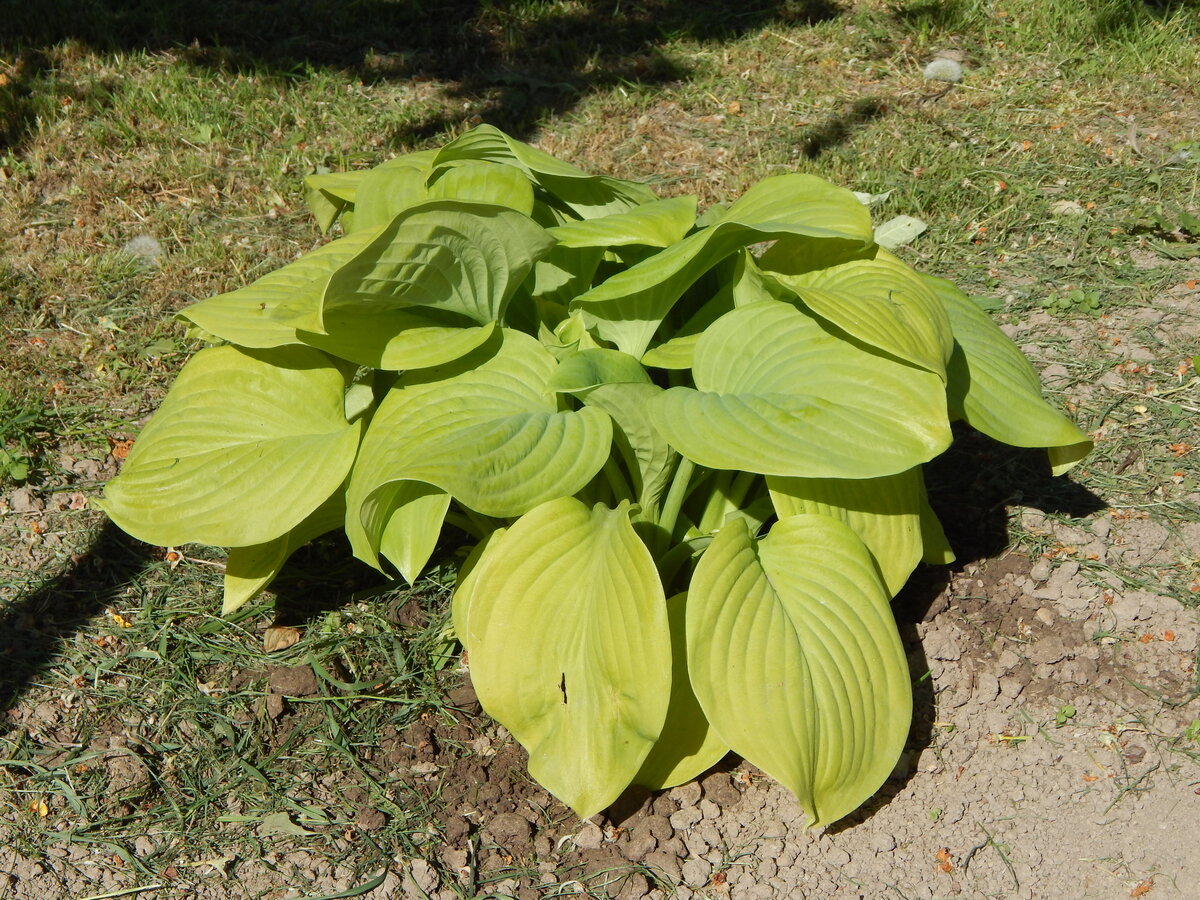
(1142, 889)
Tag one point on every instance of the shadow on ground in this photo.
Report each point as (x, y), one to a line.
(34, 626)
(519, 59)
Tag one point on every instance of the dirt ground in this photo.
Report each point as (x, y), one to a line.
(1054, 752)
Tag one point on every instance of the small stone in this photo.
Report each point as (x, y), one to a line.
(942, 69)
(634, 887)
(424, 876)
(695, 872)
(511, 831)
(639, 847)
(1040, 570)
(24, 500)
(275, 705)
(685, 818)
(370, 819)
(708, 809)
(1008, 660)
(686, 794)
(659, 826)
(589, 837)
(665, 862)
(837, 857)
(1050, 649)
(883, 842)
(767, 869)
(720, 789)
(293, 681)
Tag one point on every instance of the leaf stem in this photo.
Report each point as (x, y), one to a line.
(676, 494)
(616, 480)
(465, 523)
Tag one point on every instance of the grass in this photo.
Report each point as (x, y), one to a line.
(1064, 166)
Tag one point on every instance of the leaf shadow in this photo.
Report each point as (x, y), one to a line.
(511, 62)
(34, 625)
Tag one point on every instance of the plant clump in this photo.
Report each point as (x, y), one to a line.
(692, 468)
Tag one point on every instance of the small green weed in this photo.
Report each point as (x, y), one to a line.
(1074, 302)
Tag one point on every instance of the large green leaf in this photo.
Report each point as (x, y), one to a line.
(569, 647)
(588, 196)
(778, 394)
(688, 746)
(883, 303)
(459, 257)
(396, 339)
(329, 194)
(246, 445)
(796, 660)
(488, 432)
(884, 512)
(648, 456)
(250, 569)
(408, 517)
(746, 284)
(589, 368)
(386, 192)
(628, 307)
(485, 182)
(657, 224)
(267, 312)
(995, 390)
(390, 339)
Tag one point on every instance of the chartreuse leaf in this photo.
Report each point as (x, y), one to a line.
(994, 389)
(570, 649)
(648, 456)
(588, 196)
(802, 205)
(796, 660)
(884, 512)
(395, 339)
(388, 189)
(485, 182)
(936, 550)
(564, 272)
(688, 746)
(457, 257)
(657, 224)
(330, 194)
(410, 529)
(488, 432)
(746, 285)
(245, 447)
(464, 584)
(883, 303)
(589, 368)
(779, 395)
(267, 312)
(628, 307)
(279, 308)
(250, 569)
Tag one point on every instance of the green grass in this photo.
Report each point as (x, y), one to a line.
(115, 124)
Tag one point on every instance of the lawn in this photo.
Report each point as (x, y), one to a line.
(321, 741)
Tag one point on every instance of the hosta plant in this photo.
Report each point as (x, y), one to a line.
(688, 449)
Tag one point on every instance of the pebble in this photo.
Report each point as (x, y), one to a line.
(590, 837)
(685, 818)
(686, 794)
(695, 872)
(883, 842)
